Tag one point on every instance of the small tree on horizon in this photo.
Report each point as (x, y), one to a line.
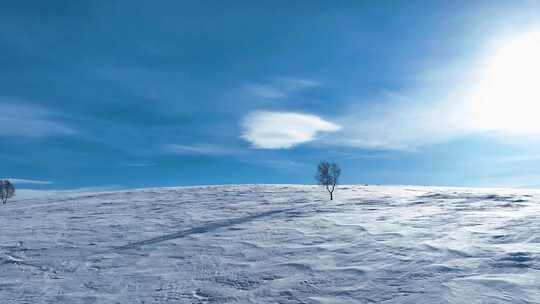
(328, 176)
(7, 190)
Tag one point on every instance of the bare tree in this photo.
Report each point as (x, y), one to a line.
(328, 176)
(7, 190)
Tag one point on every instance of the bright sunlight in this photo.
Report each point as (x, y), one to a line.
(508, 96)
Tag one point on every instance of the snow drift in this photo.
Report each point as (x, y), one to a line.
(272, 244)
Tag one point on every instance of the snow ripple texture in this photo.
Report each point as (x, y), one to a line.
(272, 244)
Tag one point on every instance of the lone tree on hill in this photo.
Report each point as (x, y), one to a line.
(7, 190)
(328, 176)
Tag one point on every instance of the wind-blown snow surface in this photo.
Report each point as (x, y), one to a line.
(272, 244)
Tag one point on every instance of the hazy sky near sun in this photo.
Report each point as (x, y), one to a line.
(146, 93)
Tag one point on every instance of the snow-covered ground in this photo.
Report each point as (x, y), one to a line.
(272, 244)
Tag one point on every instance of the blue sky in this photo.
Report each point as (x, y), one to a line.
(140, 93)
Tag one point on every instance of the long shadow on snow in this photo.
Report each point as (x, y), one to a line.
(201, 229)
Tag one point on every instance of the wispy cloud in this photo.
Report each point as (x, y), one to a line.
(29, 121)
(519, 158)
(280, 87)
(104, 188)
(140, 164)
(200, 149)
(399, 122)
(494, 95)
(283, 130)
(287, 165)
(28, 181)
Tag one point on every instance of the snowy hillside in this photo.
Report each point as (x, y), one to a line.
(272, 244)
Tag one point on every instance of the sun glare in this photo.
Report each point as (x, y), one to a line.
(507, 99)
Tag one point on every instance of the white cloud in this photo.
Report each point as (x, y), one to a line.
(29, 121)
(199, 149)
(280, 87)
(283, 130)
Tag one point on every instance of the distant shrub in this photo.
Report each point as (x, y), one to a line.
(7, 190)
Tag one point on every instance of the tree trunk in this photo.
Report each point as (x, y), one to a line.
(331, 195)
